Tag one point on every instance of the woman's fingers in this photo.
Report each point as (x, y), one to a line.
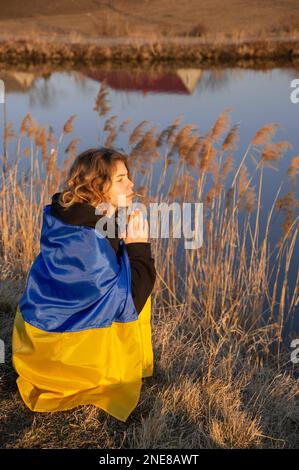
(137, 225)
(145, 227)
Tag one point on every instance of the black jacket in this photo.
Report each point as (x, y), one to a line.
(142, 264)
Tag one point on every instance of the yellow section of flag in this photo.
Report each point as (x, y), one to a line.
(99, 366)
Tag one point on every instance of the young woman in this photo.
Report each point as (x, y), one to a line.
(82, 331)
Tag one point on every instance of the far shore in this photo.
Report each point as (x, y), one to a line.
(141, 31)
(246, 52)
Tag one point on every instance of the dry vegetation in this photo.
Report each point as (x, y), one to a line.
(115, 18)
(198, 51)
(134, 30)
(222, 375)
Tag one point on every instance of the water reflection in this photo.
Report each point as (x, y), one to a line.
(151, 80)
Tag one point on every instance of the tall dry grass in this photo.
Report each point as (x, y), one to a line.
(198, 49)
(222, 374)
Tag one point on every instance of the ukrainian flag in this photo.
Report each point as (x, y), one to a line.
(77, 337)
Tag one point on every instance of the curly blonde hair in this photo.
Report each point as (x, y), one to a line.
(90, 176)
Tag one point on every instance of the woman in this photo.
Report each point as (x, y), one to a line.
(82, 332)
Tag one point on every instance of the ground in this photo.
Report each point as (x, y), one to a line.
(132, 17)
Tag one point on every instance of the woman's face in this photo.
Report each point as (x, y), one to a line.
(120, 193)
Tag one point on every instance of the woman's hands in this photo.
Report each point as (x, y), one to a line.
(137, 228)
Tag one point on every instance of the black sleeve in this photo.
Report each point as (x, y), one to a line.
(143, 272)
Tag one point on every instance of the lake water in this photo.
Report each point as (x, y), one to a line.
(257, 97)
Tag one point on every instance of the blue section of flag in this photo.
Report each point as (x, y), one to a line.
(76, 282)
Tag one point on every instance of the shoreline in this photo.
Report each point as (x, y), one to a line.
(142, 50)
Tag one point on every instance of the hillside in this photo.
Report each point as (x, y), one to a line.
(133, 17)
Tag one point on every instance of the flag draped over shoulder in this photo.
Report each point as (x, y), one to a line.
(77, 337)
